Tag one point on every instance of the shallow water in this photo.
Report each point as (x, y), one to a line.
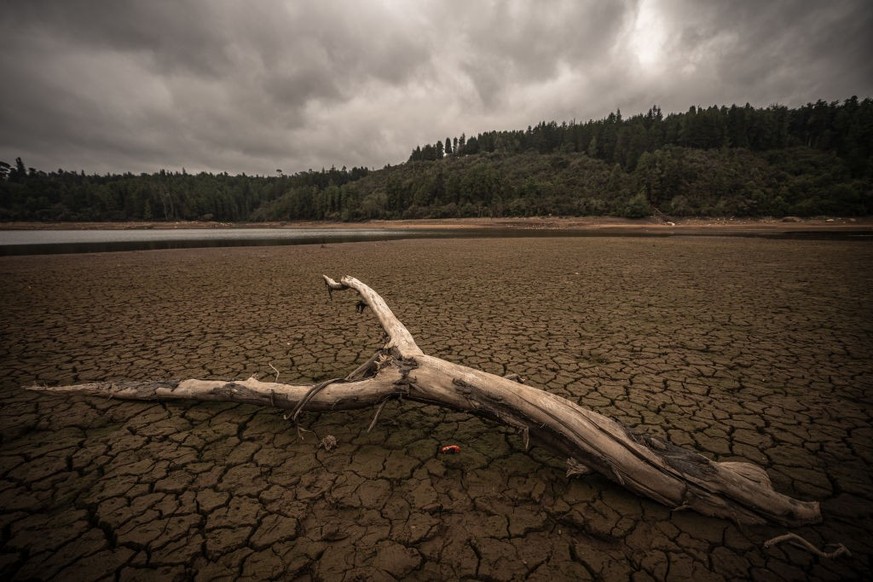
(40, 242)
(25, 242)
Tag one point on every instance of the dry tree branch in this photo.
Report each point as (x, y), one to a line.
(670, 475)
(275, 370)
(800, 542)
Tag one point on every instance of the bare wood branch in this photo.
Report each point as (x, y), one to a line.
(802, 543)
(310, 394)
(675, 477)
(376, 416)
(336, 396)
(276, 379)
(400, 337)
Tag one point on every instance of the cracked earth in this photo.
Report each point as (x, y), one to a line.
(741, 349)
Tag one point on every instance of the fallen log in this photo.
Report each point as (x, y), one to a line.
(675, 477)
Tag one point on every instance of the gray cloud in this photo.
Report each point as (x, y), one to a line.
(254, 86)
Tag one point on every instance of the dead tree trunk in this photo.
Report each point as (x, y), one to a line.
(670, 475)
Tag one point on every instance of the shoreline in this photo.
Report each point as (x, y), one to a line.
(590, 223)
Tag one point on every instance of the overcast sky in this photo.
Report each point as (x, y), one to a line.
(254, 86)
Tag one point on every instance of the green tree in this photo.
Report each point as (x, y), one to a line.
(638, 206)
(20, 171)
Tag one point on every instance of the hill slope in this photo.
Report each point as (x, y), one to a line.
(718, 161)
(673, 180)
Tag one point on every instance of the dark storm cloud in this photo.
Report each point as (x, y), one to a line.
(253, 86)
(778, 51)
(527, 43)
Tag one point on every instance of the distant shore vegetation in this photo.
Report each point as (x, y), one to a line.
(717, 161)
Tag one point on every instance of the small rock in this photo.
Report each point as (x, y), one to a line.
(328, 442)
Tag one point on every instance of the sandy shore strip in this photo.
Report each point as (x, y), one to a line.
(726, 225)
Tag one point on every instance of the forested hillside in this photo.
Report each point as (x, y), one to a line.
(717, 161)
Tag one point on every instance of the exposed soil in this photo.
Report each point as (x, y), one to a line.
(739, 348)
(585, 223)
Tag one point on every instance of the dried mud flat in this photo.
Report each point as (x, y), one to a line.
(740, 348)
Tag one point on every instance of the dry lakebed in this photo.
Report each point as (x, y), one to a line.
(739, 348)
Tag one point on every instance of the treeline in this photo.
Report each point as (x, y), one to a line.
(30, 194)
(716, 161)
(843, 128)
(673, 180)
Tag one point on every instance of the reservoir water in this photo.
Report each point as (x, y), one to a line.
(30, 242)
(39, 242)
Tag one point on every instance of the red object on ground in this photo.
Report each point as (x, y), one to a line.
(450, 450)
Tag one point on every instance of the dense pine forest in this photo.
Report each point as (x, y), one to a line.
(715, 161)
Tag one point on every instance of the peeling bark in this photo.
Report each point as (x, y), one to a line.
(670, 475)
